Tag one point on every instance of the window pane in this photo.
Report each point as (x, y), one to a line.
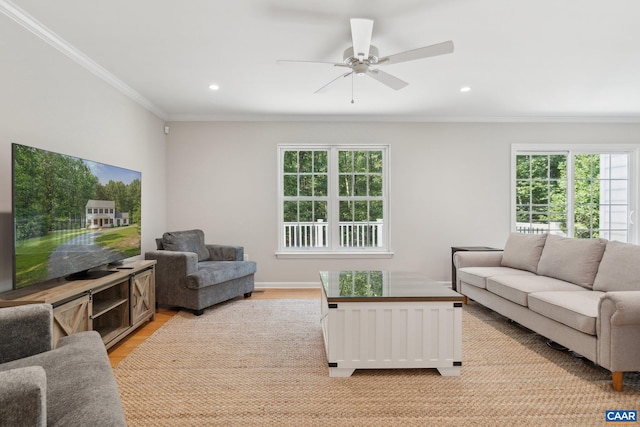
(306, 161)
(320, 211)
(345, 162)
(360, 185)
(557, 166)
(290, 185)
(320, 185)
(618, 192)
(539, 167)
(306, 185)
(291, 161)
(375, 161)
(320, 161)
(306, 211)
(523, 192)
(346, 211)
(361, 211)
(346, 185)
(375, 210)
(375, 185)
(290, 211)
(360, 161)
(619, 166)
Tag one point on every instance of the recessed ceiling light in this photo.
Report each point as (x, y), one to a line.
(464, 89)
(214, 87)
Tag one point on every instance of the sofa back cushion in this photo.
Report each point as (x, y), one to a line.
(619, 269)
(522, 251)
(186, 241)
(572, 260)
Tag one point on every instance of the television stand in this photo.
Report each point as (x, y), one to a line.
(114, 304)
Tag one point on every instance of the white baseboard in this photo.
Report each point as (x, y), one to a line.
(287, 285)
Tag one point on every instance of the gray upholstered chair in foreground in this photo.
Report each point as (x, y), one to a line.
(71, 385)
(195, 275)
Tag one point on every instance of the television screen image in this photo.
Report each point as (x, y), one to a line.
(71, 215)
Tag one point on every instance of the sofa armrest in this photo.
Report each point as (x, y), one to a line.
(225, 253)
(25, 330)
(463, 259)
(618, 330)
(23, 397)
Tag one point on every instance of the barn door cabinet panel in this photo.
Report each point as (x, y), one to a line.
(72, 317)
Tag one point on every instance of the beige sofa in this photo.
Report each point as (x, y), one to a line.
(581, 293)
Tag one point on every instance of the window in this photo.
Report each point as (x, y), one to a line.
(580, 191)
(333, 199)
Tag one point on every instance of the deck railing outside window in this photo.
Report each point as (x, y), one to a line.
(352, 234)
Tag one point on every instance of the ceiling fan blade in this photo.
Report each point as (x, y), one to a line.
(361, 30)
(419, 53)
(387, 79)
(288, 61)
(337, 78)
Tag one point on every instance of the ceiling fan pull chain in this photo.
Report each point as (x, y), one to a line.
(352, 101)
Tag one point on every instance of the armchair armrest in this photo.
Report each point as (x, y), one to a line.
(23, 397)
(618, 330)
(175, 265)
(25, 330)
(463, 259)
(225, 253)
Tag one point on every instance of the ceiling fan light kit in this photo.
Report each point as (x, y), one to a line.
(362, 55)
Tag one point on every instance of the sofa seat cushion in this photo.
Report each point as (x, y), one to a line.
(477, 276)
(517, 288)
(214, 272)
(578, 310)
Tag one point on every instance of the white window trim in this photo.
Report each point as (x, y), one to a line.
(634, 180)
(336, 253)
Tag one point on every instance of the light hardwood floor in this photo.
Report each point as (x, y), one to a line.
(126, 346)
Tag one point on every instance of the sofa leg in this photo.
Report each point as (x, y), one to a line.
(247, 294)
(198, 312)
(616, 380)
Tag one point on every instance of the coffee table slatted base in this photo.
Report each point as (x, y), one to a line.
(383, 335)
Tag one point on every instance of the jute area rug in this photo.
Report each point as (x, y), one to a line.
(262, 362)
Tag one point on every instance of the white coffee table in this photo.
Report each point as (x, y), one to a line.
(389, 319)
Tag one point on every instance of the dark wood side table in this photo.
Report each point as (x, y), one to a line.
(455, 249)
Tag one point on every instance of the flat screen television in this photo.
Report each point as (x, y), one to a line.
(71, 216)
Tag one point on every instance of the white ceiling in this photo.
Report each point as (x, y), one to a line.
(524, 60)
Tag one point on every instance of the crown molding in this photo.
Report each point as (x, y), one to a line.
(266, 117)
(41, 31)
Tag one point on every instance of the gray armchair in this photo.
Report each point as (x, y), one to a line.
(72, 384)
(195, 275)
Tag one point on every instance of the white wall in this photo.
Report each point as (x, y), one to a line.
(449, 185)
(50, 102)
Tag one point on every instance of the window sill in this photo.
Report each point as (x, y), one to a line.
(334, 255)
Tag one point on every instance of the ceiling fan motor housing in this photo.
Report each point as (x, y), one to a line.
(350, 59)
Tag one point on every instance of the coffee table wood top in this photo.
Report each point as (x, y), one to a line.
(379, 286)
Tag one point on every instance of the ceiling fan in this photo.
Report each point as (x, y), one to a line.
(360, 57)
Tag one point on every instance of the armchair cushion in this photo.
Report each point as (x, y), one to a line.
(186, 241)
(214, 272)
